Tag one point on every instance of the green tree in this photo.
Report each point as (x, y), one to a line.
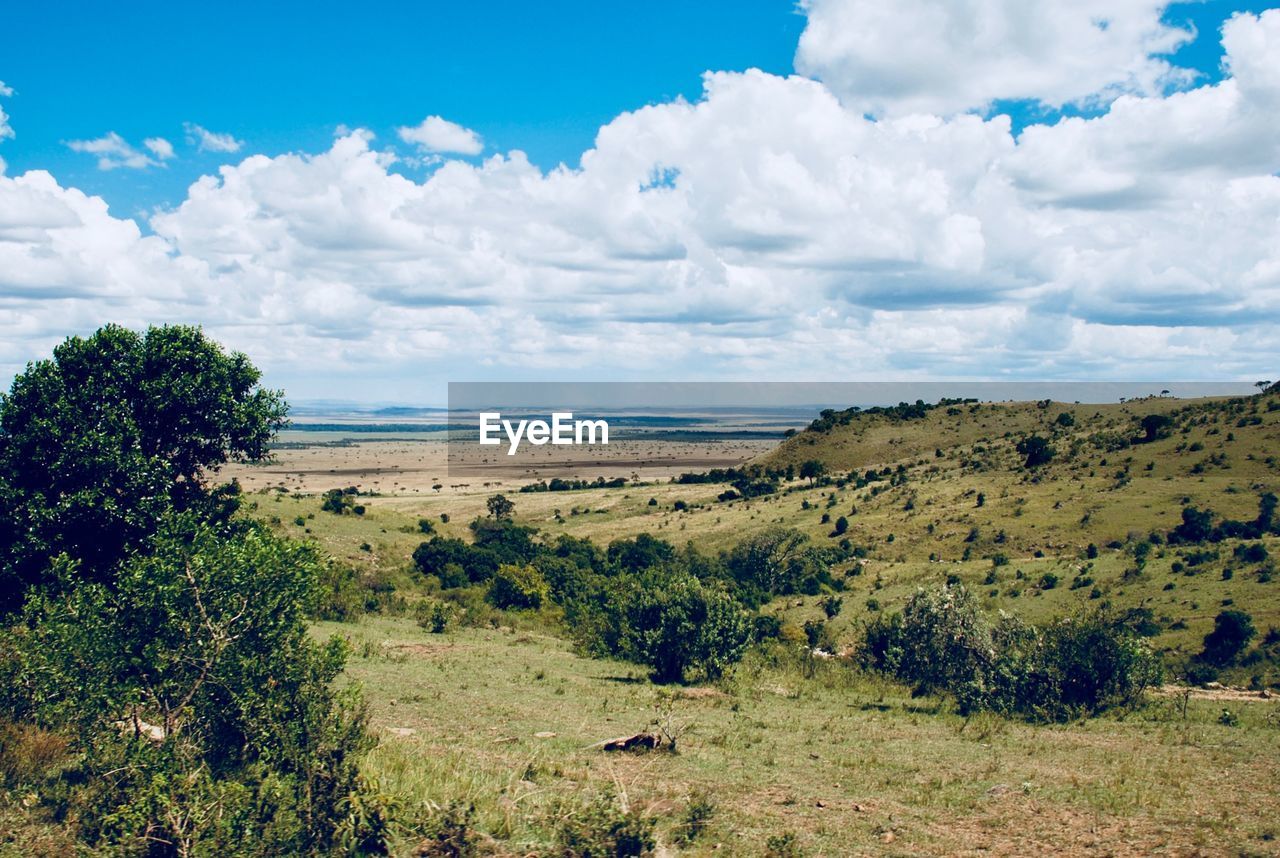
(1036, 450)
(518, 587)
(675, 623)
(1232, 631)
(500, 507)
(99, 443)
(812, 470)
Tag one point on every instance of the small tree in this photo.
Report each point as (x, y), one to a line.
(812, 470)
(1036, 450)
(101, 442)
(500, 507)
(1155, 427)
(1232, 631)
(675, 623)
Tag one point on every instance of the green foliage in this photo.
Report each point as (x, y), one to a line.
(450, 833)
(434, 615)
(500, 507)
(518, 587)
(696, 817)
(201, 708)
(777, 561)
(603, 829)
(1232, 631)
(1073, 667)
(1036, 450)
(669, 620)
(339, 501)
(117, 430)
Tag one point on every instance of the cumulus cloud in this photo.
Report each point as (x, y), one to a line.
(210, 141)
(438, 135)
(159, 147)
(890, 57)
(769, 229)
(114, 152)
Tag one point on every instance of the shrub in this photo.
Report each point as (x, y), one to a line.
(696, 817)
(1232, 631)
(669, 620)
(1073, 667)
(450, 834)
(601, 828)
(434, 615)
(204, 641)
(518, 587)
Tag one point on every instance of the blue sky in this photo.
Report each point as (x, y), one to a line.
(907, 189)
(540, 77)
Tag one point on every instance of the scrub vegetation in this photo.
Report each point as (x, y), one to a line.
(932, 628)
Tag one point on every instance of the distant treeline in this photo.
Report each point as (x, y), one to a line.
(559, 485)
(378, 427)
(829, 418)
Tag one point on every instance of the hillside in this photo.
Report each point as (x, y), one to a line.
(951, 500)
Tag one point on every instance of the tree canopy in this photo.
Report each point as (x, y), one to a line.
(99, 443)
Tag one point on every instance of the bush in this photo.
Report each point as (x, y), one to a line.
(518, 587)
(450, 834)
(434, 615)
(234, 738)
(1232, 631)
(696, 817)
(603, 829)
(669, 620)
(1076, 666)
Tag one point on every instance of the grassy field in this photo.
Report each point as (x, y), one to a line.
(848, 763)
(506, 719)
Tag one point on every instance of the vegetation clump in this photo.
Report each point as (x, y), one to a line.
(1070, 668)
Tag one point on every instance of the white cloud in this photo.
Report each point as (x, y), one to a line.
(159, 147)
(790, 236)
(113, 152)
(437, 135)
(210, 141)
(6, 130)
(946, 56)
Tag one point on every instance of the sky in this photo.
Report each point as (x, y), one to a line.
(373, 204)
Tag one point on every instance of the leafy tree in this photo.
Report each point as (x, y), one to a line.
(1155, 427)
(500, 507)
(812, 470)
(1196, 526)
(1036, 450)
(674, 623)
(776, 561)
(1232, 631)
(337, 501)
(842, 526)
(1065, 420)
(642, 552)
(99, 443)
(518, 587)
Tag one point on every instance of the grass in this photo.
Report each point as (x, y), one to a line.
(846, 761)
(849, 763)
